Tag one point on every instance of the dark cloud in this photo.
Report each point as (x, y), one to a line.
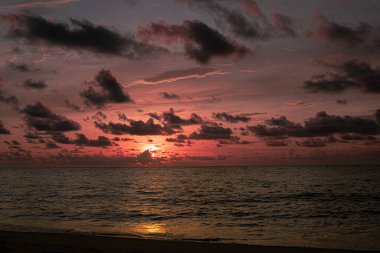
(135, 127)
(231, 118)
(366, 77)
(211, 131)
(3, 130)
(356, 137)
(179, 74)
(235, 21)
(42, 118)
(72, 106)
(311, 143)
(79, 34)
(201, 42)
(22, 67)
(82, 140)
(252, 8)
(170, 124)
(154, 115)
(351, 74)
(169, 95)
(377, 115)
(174, 121)
(320, 125)
(341, 101)
(263, 130)
(200, 158)
(233, 140)
(122, 116)
(122, 139)
(281, 121)
(99, 116)
(284, 24)
(280, 127)
(239, 24)
(329, 83)
(33, 136)
(180, 138)
(341, 34)
(59, 137)
(246, 27)
(276, 143)
(146, 157)
(37, 85)
(9, 99)
(51, 145)
(14, 142)
(105, 89)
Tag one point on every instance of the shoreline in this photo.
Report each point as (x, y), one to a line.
(31, 242)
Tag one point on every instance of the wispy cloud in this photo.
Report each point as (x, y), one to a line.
(34, 3)
(180, 74)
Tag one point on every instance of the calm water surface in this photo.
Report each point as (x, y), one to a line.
(333, 207)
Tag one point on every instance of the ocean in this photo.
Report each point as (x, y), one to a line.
(325, 206)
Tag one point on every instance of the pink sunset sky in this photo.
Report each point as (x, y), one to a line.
(189, 82)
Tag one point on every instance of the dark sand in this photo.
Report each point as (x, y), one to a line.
(73, 243)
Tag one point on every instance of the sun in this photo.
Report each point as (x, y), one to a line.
(152, 149)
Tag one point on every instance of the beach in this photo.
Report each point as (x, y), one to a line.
(33, 242)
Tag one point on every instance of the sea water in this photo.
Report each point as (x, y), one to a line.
(329, 206)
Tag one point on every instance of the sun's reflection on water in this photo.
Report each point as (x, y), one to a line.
(151, 228)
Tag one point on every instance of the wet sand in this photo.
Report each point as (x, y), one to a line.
(31, 242)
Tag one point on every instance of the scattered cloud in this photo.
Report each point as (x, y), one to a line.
(22, 67)
(169, 95)
(254, 26)
(350, 74)
(32, 136)
(9, 99)
(82, 140)
(135, 127)
(72, 106)
(174, 121)
(341, 101)
(105, 89)
(235, 21)
(211, 131)
(180, 138)
(37, 85)
(276, 143)
(122, 116)
(3, 130)
(311, 143)
(201, 42)
(42, 118)
(51, 145)
(231, 118)
(79, 34)
(322, 124)
(284, 24)
(252, 8)
(233, 140)
(341, 34)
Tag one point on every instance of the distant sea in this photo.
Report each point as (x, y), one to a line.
(329, 206)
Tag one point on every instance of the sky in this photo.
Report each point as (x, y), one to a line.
(189, 82)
